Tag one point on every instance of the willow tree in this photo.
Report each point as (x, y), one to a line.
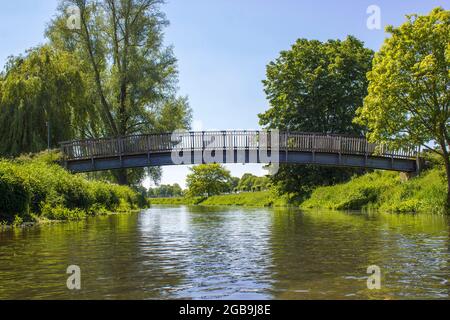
(409, 91)
(132, 75)
(43, 87)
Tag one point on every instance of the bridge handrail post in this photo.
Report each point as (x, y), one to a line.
(224, 134)
(149, 145)
(120, 145)
(286, 141)
(203, 141)
(367, 148)
(246, 142)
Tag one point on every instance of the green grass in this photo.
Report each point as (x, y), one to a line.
(380, 190)
(384, 191)
(37, 188)
(175, 201)
(246, 199)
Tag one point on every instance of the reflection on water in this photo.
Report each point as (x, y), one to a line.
(229, 253)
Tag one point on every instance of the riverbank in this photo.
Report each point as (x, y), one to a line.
(244, 199)
(380, 190)
(384, 191)
(36, 189)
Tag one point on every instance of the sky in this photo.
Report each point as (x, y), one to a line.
(223, 47)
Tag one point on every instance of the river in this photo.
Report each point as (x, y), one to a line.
(230, 253)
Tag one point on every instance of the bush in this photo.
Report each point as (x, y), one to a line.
(14, 194)
(384, 191)
(37, 185)
(61, 213)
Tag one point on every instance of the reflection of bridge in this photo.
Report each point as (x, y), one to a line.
(234, 147)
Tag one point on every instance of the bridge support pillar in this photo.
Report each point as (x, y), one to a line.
(406, 176)
(420, 164)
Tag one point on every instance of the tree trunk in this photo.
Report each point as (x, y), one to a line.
(122, 177)
(447, 171)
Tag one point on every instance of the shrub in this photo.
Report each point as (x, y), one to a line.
(14, 194)
(38, 186)
(384, 191)
(61, 213)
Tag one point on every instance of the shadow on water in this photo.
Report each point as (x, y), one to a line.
(229, 253)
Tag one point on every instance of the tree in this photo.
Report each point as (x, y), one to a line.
(43, 86)
(165, 191)
(246, 182)
(316, 87)
(208, 179)
(409, 91)
(132, 76)
(234, 183)
(250, 182)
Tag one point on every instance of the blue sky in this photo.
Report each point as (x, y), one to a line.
(223, 47)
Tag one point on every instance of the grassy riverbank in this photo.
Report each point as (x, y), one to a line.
(245, 199)
(384, 191)
(36, 189)
(380, 190)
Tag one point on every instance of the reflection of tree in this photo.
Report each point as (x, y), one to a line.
(234, 253)
(113, 256)
(326, 255)
(226, 253)
(417, 248)
(314, 254)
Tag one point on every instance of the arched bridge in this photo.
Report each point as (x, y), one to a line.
(234, 147)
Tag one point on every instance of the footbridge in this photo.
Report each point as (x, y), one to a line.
(267, 147)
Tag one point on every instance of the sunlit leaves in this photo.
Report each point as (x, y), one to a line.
(43, 86)
(208, 179)
(409, 98)
(316, 87)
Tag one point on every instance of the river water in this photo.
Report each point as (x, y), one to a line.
(230, 253)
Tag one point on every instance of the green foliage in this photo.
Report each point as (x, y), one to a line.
(248, 199)
(17, 221)
(61, 213)
(384, 191)
(380, 190)
(165, 191)
(208, 180)
(38, 186)
(113, 77)
(316, 87)
(234, 184)
(129, 75)
(424, 194)
(302, 180)
(409, 96)
(14, 194)
(43, 86)
(408, 100)
(250, 182)
(177, 201)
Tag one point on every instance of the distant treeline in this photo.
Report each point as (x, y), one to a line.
(248, 183)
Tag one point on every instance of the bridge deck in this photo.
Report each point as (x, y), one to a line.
(233, 147)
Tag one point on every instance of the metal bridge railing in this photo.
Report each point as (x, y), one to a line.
(225, 140)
